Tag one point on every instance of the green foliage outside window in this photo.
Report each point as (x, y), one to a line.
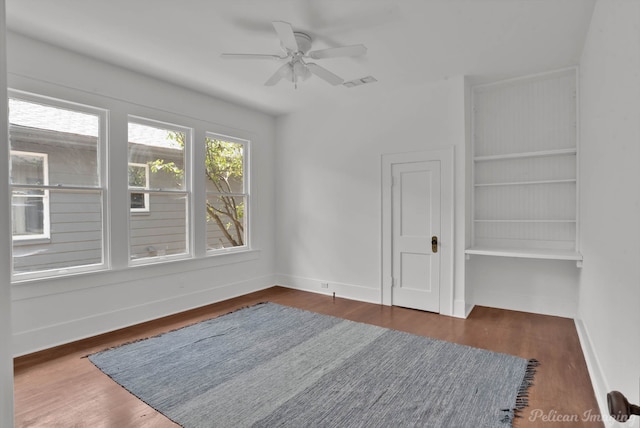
(224, 169)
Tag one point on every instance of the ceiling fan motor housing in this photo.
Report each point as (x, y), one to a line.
(303, 40)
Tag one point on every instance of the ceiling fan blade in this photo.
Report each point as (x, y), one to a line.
(285, 33)
(354, 50)
(250, 56)
(278, 75)
(325, 74)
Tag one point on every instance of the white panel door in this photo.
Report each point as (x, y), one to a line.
(415, 200)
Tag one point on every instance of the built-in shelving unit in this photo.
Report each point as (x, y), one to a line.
(525, 168)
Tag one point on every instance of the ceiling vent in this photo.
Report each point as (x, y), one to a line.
(361, 81)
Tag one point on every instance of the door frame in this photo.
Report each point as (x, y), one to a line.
(446, 157)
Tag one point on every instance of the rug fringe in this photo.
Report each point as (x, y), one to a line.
(522, 399)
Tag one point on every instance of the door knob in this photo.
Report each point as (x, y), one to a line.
(619, 407)
(434, 244)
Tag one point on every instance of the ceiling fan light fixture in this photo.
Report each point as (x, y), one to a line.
(301, 70)
(287, 72)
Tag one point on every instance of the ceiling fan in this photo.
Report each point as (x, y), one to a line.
(296, 46)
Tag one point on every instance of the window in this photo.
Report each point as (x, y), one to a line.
(29, 207)
(55, 179)
(61, 204)
(227, 192)
(157, 159)
(139, 179)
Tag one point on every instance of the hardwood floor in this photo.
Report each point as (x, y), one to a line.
(58, 387)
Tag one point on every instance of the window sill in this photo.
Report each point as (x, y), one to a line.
(31, 241)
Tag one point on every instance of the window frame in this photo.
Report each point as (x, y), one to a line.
(101, 187)
(145, 208)
(246, 194)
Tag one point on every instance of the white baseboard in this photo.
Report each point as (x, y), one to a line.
(461, 309)
(29, 341)
(348, 291)
(598, 381)
(351, 291)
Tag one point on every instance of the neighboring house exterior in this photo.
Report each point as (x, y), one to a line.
(55, 229)
(158, 222)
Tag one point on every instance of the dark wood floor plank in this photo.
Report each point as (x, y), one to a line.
(59, 387)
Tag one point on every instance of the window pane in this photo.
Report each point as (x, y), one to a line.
(139, 179)
(225, 221)
(162, 150)
(28, 210)
(75, 236)
(163, 231)
(158, 222)
(138, 176)
(138, 201)
(224, 166)
(28, 168)
(69, 139)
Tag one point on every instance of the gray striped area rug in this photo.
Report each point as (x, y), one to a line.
(275, 366)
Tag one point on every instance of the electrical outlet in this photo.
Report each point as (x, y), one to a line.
(324, 285)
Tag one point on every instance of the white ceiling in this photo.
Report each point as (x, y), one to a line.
(410, 42)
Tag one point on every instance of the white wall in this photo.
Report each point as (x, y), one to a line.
(50, 312)
(6, 360)
(530, 285)
(329, 183)
(329, 202)
(609, 305)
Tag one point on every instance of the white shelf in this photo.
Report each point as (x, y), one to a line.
(542, 153)
(543, 220)
(523, 183)
(547, 254)
(524, 170)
